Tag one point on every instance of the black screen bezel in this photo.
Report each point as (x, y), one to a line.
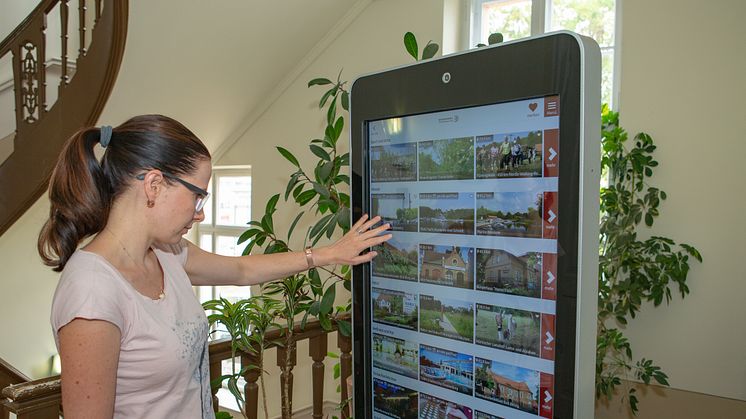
(528, 69)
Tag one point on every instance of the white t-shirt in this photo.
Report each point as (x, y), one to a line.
(163, 369)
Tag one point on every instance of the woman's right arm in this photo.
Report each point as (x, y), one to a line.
(89, 352)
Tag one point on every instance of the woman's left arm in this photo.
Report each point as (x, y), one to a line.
(205, 268)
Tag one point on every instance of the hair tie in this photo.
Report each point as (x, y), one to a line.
(105, 136)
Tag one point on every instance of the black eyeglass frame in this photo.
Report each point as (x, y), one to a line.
(202, 194)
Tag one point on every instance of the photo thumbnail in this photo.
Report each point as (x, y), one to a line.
(448, 212)
(508, 385)
(393, 162)
(447, 159)
(516, 154)
(513, 214)
(395, 308)
(395, 355)
(448, 318)
(502, 271)
(432, 407)
(396, 209)
(451, 266)
(393, 400)
(397, 258)
(509, 329)
(448, 369)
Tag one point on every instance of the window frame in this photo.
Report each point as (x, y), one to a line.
(214, 229)
(541, 12)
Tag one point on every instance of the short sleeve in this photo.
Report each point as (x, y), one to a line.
(180, 250)
(88, 292)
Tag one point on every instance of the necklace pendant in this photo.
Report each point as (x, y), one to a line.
(162, 295)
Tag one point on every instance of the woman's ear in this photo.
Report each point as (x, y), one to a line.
(153, 183)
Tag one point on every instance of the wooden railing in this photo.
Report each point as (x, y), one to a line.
(41, 399)
(41, 127)
(317, 350)
(9, 376)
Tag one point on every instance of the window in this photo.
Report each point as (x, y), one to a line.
(517, 19)
(227, 213)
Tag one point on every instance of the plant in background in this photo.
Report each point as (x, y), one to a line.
(632, 270)
(293, 299)
(247, 322)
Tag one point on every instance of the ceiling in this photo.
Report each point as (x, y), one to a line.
(210, 63)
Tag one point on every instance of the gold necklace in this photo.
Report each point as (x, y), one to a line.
(162, 294)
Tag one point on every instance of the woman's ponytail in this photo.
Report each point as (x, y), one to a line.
(80, 197)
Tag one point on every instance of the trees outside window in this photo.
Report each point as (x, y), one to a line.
(517, 19)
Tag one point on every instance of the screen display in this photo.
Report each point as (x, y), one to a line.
(463, 297)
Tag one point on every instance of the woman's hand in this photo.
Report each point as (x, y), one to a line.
(346, 250)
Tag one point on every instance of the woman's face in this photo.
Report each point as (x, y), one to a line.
(179, 202)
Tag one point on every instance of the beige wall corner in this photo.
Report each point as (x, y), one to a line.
(660, 402)
(682, 82)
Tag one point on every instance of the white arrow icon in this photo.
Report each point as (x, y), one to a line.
(552, 216)
(552, 154)
(550, 277)
(548, 397)
(549, 338)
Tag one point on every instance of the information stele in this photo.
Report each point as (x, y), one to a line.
(486, 165)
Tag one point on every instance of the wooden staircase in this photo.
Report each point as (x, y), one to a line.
(42, 127)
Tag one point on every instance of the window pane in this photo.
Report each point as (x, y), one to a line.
(594, 18)
(512, 18)
(233, 200)
(226, 246)
(607, 76)
(208, 207)
(205, 242)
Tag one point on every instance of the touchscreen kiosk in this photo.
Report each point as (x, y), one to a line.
(485, 163)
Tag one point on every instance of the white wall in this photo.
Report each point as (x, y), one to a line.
(373, 41)
(682, 81)
(26, 296)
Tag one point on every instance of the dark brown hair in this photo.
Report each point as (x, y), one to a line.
(82, 190)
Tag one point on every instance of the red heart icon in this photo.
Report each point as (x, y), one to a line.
(532, 106)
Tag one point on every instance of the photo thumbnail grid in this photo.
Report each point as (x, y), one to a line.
(525, 214)
(512, 154)
(414, 323)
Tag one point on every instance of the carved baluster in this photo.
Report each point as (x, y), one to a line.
(317, 350)
(216, 370)
(64, 14)
(81, 28)
(286, 378)
(344, 343)
(251, 389)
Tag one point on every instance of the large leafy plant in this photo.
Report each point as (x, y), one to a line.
(633, 270)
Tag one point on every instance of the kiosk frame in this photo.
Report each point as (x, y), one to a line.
(562, 63)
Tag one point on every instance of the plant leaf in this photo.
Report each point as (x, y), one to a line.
(430, 50)
(319, 81)
(320, 152)
(346, 101)
(327, 301)
(410, 43)
(495, 38)
(289, 156)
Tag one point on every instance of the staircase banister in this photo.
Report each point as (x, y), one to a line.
(43, 7)
(222, 347)
(10, 373)
(35, 389)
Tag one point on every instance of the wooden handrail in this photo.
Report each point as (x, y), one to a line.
(9, 376)
(41, 127)
(41, 399)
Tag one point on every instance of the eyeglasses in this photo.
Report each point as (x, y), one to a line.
(202, 195)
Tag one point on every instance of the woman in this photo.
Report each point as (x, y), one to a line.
(131, 335)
